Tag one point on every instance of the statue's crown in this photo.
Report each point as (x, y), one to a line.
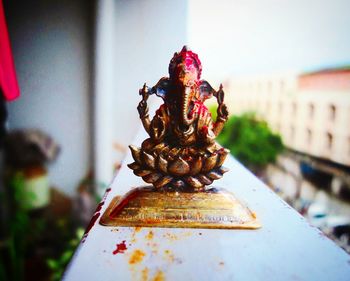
(186, 55)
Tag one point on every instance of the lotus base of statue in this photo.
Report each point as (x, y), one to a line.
(168, 167)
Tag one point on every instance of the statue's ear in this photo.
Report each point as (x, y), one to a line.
(161, 88)
(205, 90)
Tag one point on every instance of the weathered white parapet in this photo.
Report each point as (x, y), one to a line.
(285, 248)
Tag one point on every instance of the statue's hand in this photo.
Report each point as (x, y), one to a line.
(222, 108)
(207, 135)
(158, 128)
(222, 111)
(142, 108)
(220, 95)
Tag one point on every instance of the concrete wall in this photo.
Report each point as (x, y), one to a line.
(51, 47)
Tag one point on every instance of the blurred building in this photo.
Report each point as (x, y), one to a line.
(311, 111)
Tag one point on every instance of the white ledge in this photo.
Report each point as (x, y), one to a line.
(285, 248)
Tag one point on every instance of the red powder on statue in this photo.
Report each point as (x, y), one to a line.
(199, 108)
(205, 130)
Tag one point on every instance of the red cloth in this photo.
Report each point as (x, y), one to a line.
(8, 79)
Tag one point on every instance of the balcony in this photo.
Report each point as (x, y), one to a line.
(285, 248)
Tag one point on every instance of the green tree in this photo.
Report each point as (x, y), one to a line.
(251, 141)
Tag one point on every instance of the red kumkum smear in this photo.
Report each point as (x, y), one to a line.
(95, 216)
(121, 247)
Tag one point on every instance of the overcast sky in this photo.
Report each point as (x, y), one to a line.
(235, 37)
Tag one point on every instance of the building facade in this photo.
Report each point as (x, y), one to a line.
(311, 111)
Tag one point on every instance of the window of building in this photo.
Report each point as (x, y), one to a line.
(278, 127)
(251, 104)
(311, 111)
(280, 107)
(294, 108)
(257, 105)
(309, 137)
(259, 87)
(282, 86)
(292, 132)
(332, 112)
(329, 141)
(269, 87)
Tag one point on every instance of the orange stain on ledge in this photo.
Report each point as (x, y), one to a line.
(150, 235)
(170, 236)
(145, 274)
(169, 256)
(138, 229)
(133, 235)
(174, 237)
(136, 257)
(159, 276)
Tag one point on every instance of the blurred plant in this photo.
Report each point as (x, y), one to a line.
(37, 241)
(250, 140)
(32, 236)
(18, 230)
(58, 265)
(25, 152)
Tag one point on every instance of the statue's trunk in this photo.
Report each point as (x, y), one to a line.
(186, 95)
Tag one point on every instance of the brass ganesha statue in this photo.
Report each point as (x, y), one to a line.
(181, 153)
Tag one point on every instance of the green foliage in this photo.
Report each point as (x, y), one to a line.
(58, 265)
(213, 112)
(22, 231)
(19, 227)
(251, 141)
(29, 235)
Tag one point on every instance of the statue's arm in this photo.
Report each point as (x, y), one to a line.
(219, 125)
(142, 108)
(222, 112)
(158, 128)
